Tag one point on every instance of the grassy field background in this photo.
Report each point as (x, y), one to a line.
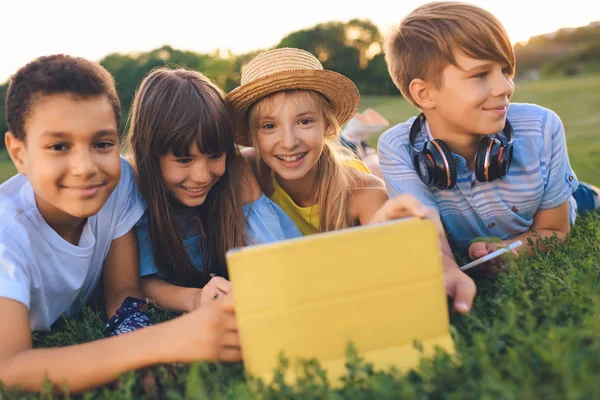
(575, 100)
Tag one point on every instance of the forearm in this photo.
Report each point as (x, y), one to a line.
(114, 299)
(543, 233)
(169, 296)
(88, 365)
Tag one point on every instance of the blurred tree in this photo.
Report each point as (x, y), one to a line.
(353, 49)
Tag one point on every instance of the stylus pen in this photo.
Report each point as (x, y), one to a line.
(493, 254)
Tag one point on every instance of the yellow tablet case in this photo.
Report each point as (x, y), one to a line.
(379, 286)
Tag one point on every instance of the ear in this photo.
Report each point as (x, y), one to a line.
(16, 151)
(422, 92)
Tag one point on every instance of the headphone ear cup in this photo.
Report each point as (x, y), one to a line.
(423, 164)
(445, 169)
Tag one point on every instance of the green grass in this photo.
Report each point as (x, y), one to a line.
(575, 100)
(7, 168)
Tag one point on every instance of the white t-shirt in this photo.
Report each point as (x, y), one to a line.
(42, 270)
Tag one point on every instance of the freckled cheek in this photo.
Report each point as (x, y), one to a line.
(266, 144)
(219, 169)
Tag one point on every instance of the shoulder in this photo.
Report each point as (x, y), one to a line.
(14, 235)
(357, 165)
(367, 187)
(126, 171)
(250, 188)
(393, 144)
(261, 172)
(14, 204)
(249, 154)
(368, 194)
(397, 136)
(127, 186)
(532, 120)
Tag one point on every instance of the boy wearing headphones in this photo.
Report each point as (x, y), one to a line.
(490, 168)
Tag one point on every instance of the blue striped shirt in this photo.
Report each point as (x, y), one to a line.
(540, 177)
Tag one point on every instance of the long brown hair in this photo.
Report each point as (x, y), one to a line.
(172, 109)
(335, 180)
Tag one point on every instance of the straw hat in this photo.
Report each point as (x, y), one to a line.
(288, 69)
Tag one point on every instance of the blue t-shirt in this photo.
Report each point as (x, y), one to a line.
(540, 178)
(266, 222)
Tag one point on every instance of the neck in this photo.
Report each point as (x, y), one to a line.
(458, 141)
(301, 190)
(67, 226)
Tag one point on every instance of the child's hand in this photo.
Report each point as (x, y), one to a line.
(496, 266)
(216, 288)
(460, 287)
(400, 207)
(209, 333)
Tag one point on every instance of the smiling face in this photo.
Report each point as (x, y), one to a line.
(473, 96)
(70, 155)
(289, 130)
(189, 178)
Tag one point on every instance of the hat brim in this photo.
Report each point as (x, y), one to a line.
(340, 91)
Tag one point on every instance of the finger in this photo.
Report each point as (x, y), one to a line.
(230, 322)
(230, 354)
(477, 250)
(230, 339)
(223, 285)
(464, 293)
(491, 247)
(407, 203)
(227, 304)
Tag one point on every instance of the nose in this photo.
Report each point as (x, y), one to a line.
(83, 163)
(503, 85)
(289, 139)
(200, 172)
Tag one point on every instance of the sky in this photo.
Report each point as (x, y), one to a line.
(93, 29)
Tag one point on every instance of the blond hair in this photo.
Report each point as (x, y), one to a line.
(335, 179)
(425, 42)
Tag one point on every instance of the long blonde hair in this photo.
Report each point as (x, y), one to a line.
(335, 180)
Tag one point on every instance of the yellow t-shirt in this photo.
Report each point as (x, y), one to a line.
(305, 218)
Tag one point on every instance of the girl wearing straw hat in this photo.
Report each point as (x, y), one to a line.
(289, 110)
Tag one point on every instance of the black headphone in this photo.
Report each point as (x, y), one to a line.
(435, 166)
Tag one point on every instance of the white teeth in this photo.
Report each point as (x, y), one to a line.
(193, 190)
(291, 158)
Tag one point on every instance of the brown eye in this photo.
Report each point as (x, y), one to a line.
(58, 147)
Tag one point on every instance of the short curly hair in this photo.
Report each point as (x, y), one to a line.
(54, 75)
